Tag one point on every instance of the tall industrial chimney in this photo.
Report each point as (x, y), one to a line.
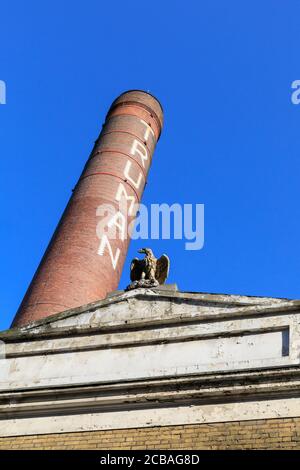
(83, 262)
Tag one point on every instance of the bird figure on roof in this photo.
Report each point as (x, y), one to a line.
(150, 271)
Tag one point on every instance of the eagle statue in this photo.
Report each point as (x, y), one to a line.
(150, 271)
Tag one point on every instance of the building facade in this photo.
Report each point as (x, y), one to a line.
(155, 369)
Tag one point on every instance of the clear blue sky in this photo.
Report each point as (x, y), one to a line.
(223, 72)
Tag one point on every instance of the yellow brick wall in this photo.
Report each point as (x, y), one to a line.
(261, 434)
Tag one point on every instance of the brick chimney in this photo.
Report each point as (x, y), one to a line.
(83, 262)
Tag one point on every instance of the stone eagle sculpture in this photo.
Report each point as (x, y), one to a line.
(150, 271)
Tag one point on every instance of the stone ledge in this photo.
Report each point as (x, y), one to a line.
(168, 416)
(240, 386)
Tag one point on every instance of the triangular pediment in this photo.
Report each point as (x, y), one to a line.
(165, 304)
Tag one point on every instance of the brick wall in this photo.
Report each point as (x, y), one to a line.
(262, 434)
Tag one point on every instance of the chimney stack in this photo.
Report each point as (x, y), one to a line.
(82, 262)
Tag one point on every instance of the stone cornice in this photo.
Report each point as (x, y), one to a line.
(240, 386)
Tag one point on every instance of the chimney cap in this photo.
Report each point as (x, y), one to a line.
(145, 99)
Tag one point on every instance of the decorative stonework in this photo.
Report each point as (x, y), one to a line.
(148, 272)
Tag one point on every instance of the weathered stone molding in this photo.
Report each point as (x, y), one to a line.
(216, 413)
